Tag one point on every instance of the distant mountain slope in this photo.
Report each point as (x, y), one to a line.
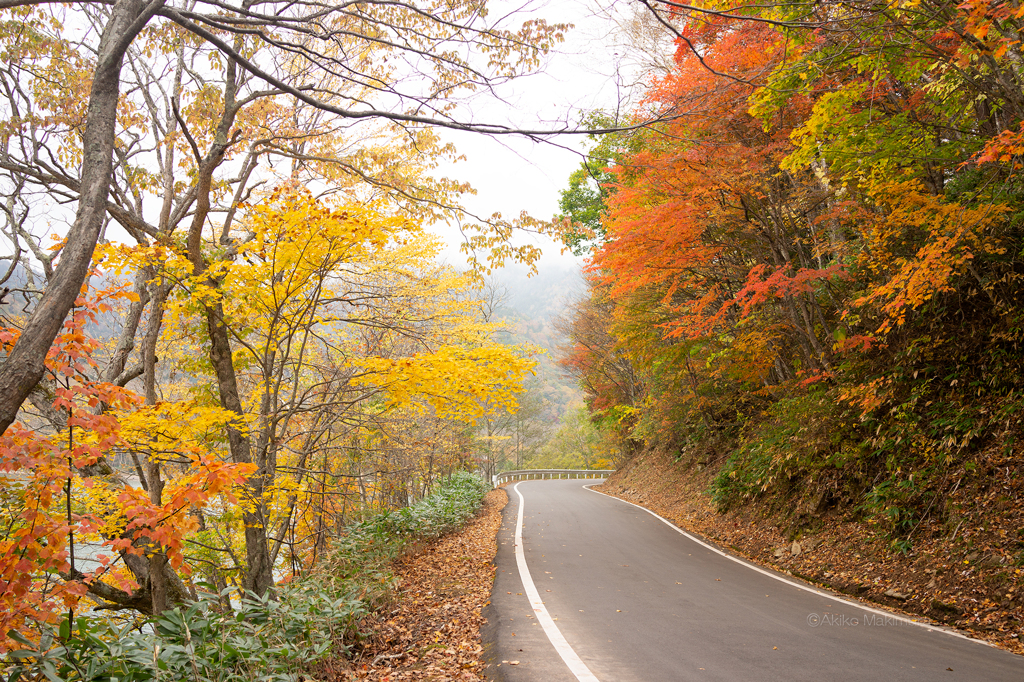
(532, 306)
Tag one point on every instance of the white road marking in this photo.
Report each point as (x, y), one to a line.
(576, 665)
(805, 588)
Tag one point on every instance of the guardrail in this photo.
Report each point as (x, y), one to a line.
(542, 474)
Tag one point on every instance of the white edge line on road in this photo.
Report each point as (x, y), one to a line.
(799, 586)
(576, 665)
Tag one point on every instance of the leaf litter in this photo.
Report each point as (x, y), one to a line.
(430, 630)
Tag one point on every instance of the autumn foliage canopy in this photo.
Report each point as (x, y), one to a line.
(807, 274)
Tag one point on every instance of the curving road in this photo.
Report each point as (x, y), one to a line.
(613, 593)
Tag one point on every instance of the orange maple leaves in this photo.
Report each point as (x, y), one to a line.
(36, 469)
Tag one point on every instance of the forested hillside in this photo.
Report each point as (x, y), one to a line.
(807, 278)
(529, 306)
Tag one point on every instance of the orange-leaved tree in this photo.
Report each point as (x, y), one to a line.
(719, 263)
(60, 498)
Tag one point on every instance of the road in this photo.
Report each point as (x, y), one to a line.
(627, 597)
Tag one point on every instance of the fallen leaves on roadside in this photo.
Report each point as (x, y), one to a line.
(432, 630)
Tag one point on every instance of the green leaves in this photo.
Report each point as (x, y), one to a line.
(264, 639)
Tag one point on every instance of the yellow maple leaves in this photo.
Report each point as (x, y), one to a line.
(351, 346)
(955, 233)
(462, 383)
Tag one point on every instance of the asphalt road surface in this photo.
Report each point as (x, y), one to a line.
(616, 594)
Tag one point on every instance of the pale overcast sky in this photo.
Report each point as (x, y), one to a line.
(589, 71)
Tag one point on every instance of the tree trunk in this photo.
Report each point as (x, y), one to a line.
(259, 574)
(25, 366)
(259, 577)
(158, 557)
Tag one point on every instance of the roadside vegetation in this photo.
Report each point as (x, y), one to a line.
(279, 636)
(225, 334)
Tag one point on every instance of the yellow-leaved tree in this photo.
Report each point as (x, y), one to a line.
(358, 364)
(170, 126)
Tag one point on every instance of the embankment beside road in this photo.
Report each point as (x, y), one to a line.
(970, 579)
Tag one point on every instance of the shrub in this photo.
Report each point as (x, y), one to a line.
(263, 639)
(798, 436)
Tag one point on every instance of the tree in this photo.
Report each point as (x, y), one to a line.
(715, 278)
(577, 444)
(301, 54)
(810, 263)
(584, 203)
(528, 429)
(345, 337)
(592, 355)
(41, 525)
(507, 437)
(230, 89)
